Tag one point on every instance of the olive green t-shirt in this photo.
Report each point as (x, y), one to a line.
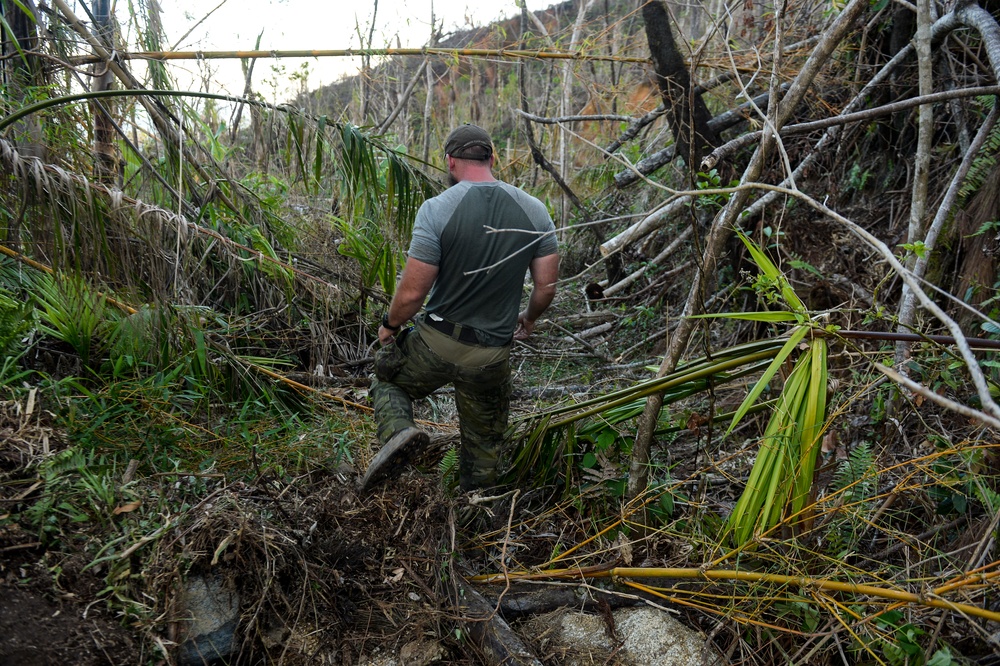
(482, 237)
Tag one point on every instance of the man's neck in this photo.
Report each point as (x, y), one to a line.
(471, 171)
(476, 175)
(487, 178)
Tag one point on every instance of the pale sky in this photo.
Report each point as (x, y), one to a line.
(309, 24)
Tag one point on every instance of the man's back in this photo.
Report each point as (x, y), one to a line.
(482, 237)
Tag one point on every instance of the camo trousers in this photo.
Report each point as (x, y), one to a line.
(482, 395)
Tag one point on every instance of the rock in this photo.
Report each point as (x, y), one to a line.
(647, 637)
(210, 608)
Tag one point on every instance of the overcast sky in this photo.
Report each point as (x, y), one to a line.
(313, 25)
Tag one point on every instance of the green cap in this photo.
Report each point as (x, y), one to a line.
(469, 142)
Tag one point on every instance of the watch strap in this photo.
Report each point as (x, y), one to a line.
(386, 324)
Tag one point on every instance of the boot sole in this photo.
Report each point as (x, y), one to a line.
(393, 457)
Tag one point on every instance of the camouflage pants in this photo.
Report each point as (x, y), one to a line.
(482, 395)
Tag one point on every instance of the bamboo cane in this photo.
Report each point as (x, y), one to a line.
(514, 54)
(753, 577)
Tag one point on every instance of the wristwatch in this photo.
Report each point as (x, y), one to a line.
(387, 325)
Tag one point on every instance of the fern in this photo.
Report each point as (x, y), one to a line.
(15, 321)
(985, 162)
(449, 467)
(64, 462)
(856, 479)
(855, 476)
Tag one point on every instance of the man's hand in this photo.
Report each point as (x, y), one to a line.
(385, 336)
(525, 326)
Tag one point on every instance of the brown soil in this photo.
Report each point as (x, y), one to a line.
(39, 631)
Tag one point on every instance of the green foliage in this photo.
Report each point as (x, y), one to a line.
(985, 161)
(15, 323)
(857, 178)
(72, 312)
(76, 490)
(779, 483)
(802, 615)
(712, 181)
(855, 482)
(900, 643)
(805, 266)
(378, 200)
(560, 440)
(781, 478)
(856, 478)
(448, 468)
(918, 248)
(365, 242)
(958, 478)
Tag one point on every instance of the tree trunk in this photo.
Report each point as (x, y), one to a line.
(566, 101)
(23, 69)
(686, 112)
(106, 160)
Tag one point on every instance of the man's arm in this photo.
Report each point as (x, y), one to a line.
(544, 273)
(417, 280)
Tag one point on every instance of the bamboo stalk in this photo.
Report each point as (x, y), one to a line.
(541, 54)
(750, 577)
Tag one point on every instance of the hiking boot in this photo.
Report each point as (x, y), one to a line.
(394, 456)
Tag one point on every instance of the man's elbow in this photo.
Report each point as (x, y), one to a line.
(545, 293)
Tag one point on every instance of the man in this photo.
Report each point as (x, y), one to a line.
(470, 250)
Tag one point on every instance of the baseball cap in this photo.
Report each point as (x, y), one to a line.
(469, 142)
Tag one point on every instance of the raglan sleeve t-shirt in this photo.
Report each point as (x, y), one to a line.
(482, 237)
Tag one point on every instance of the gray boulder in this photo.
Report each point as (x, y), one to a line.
(646, 637)
(210, 608)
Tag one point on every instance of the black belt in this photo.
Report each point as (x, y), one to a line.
(453, 330)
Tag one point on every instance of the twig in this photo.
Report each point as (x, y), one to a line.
(403, 99)
(583, 342)
(907, 308)
(570, 119)
(939, 399)
(751, 138)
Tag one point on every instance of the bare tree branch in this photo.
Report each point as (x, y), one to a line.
(722, 229)
(570, 119)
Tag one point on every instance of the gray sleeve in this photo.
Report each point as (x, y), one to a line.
(542, 221)
(548, 245)
(425, 245)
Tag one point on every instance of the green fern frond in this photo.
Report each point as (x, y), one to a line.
(64, 462)
(856, 476)
(857, 479)
(15, 321)
(984, 164)
(449, 467)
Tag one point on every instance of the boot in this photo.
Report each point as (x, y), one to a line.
(394, 456)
